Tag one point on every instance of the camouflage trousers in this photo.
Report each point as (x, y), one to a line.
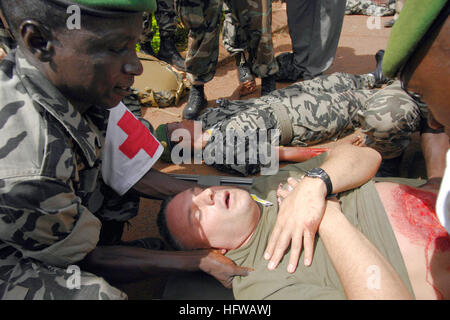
(250, 30)
(320, 110)
(254, 34)
(165, 17)
(29, 279)
(370, 8)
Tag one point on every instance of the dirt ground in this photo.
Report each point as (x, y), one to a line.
(361, 38)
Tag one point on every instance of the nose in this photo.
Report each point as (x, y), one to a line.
(133, 66)
(204, 198)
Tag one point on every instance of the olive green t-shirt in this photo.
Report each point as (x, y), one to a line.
(361, 206)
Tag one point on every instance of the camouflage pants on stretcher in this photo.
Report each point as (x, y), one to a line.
(254, 34)
(320, 110)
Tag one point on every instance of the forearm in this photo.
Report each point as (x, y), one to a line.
(160, 185)
(298, 154)
(435, 146)
(362, 269)
(349, 166)
(127, 264)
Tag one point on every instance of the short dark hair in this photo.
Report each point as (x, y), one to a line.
(164, 228)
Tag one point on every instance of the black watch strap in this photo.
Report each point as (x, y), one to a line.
(321, 174)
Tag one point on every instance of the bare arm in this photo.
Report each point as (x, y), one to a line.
(349, 166)
(302, 209)
(356, 260)
(126, 264)
(434, 146)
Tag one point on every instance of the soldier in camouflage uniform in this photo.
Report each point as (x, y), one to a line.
(323, 109)
(253, 34)
(167, 22)
(56, 211)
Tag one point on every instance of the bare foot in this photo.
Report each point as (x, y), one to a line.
(359, 140)
(2, 54)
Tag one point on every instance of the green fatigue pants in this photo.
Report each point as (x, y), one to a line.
(249, 29)
(369, 8)
(320, 110)
(165, 17)
(203, 18)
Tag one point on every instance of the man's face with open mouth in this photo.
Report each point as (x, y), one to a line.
(220, 217)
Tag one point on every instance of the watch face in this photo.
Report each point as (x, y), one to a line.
(315, 172)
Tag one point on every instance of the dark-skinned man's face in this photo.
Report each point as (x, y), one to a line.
(97, 66)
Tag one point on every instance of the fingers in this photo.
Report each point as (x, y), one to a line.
(272, 241)
(242, 271)
(308, 247)
(282, 244)
(296, 248)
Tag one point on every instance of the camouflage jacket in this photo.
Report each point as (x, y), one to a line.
(52, 197)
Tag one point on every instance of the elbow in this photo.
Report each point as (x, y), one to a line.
(376, 156)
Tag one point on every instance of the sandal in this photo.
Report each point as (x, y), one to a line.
(246, 80)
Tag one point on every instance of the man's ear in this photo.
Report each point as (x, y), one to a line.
(37, 39)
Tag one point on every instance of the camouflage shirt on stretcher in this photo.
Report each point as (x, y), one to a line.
(323, 109)
(52, 196)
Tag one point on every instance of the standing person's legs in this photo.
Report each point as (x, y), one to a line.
(202, 18)
(167, 22)
(300, 14)
(328, 19)
(234, 41)
(256, 20)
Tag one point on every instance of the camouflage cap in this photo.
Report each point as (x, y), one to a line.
(415, 19)
(113, 5)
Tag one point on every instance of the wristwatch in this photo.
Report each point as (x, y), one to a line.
(321, 174)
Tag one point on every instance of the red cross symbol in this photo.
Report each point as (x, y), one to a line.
(138, 137)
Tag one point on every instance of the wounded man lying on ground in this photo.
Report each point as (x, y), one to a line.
(378, 241)
(304, 114)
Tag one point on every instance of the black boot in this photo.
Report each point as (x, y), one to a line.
(146, 47)
(287, 70)
(268, 84)
(169, 53)
(380, 78)
(195, 103)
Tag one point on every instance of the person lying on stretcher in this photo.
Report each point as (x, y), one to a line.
(378, 241)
